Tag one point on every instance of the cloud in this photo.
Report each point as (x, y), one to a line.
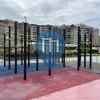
(52, 11)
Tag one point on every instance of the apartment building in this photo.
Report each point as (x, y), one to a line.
(33, 32)
(4, 30)
(71, 32)
(99, 39)
(87, 30)
(96, 37)
(57, 29)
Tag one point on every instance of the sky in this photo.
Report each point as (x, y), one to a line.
(56, 12)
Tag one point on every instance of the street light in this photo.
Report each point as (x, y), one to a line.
(25, 19)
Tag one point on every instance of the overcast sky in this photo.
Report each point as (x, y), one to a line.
(52, 11)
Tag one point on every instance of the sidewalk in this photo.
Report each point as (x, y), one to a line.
(87, 91)
(39, 84)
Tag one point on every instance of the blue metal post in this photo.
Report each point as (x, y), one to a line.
(50, 55)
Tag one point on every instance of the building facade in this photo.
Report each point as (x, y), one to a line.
(71, 32)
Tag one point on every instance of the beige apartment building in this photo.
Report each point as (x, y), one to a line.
(70, 30)
(5, 30)
(72, 34)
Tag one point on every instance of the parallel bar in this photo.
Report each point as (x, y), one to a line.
(59, 57)
(37, 62)
(54, 56)
(79, 50)
(15, 47)
(9, 64)
(45, 60)
(49, 71)
(62, 58)
(80, 47)
(64, 48)
(4, 49)
(84, 50)
(90, 50)
(25, 40)
(21, 50)
(49, 64)
(29, 47)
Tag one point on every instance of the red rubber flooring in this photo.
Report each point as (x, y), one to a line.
(86, 91)
(39, 84)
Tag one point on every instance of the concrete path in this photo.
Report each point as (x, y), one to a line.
(39, 84)
(87, 91)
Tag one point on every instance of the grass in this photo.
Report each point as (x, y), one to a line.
(95, 54)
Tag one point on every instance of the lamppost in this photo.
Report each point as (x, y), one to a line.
(25, 19)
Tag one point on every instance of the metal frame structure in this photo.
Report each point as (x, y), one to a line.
(15, 47)
(26, 39)
(9, 47)
(84, 45)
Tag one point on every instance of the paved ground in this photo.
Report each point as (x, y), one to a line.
(4, 71)
(95, 66)
(39, 84)
(63, 85)
(87, 91)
